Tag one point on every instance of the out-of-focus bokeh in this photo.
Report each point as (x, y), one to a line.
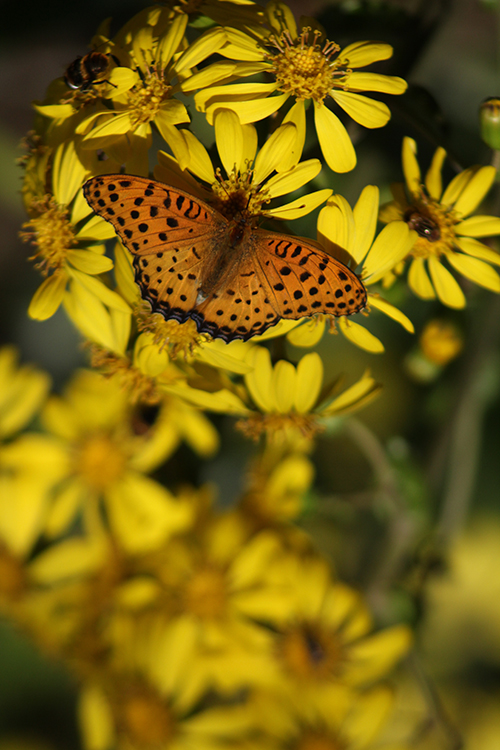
(449, 52)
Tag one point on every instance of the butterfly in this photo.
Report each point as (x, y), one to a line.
(233, 280)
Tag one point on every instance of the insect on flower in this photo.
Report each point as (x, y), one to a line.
(85, 71)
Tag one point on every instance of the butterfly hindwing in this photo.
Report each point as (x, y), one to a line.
(304, 280)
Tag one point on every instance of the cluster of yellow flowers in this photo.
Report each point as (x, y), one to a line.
(186, 625)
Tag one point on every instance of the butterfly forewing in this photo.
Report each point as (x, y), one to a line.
(233, 281)
(167, 231)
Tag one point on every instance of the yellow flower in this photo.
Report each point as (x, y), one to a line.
(289, 403)
(68, 239)
(156, 60)
(337, 720)
(218, 586)
(303, 66)
(349, 235)
(98, 449)
(327, 638)
(444, 234)
(126, 711)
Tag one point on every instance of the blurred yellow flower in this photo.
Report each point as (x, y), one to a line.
(443, 231)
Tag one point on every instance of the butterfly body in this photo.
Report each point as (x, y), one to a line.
(233, 280)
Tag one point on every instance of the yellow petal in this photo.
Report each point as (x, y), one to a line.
(68, 173)
(301, 206)
(249, 111)
(96, 287)
(419, 281)
(236, 92)
(96, 718)
(96, 229)
(433, 178)
(209, 76)
(479, 226)
(48, 297)
(336, 224)
(475, 190)
(294, 178)
(476, 270)
(309, 333)
(354, 397)
(223, 401)
(283, 386)
(73, 557)
(89, 262)
(241, 46)
(297, 115)
(258, 381)
(274, 151)
(89, 316)
(335, 143)
(172, 39)
(478, 250)
(360, 54)
(308, 384)
(410, 165)
(143, 514)
(360, 336)
(281, 18)
(199, 162)
(447, 288)
(381, 304)
(201, 48)
(376, 82)
(365, 214)
(229, 139)
(368, 112)
(390, 247)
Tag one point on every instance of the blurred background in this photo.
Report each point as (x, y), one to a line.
(441, 437)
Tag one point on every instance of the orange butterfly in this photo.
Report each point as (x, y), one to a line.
(233, 280)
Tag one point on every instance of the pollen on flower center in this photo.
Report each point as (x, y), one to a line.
(205, 594)
(51, 232)
(99, 461)
(434, 226)
(257, 424)
(145, 101)
(303, 68)
(236, 196)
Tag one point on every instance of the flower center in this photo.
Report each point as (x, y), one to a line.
(434, 226)
(318, 741)
(144, 102)
(179, 338)
(309, 653)
(206, 594)
(147, 721)
(237, 197)
(100, 461)
(274, 424)
(303, 67)
(50, 232)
